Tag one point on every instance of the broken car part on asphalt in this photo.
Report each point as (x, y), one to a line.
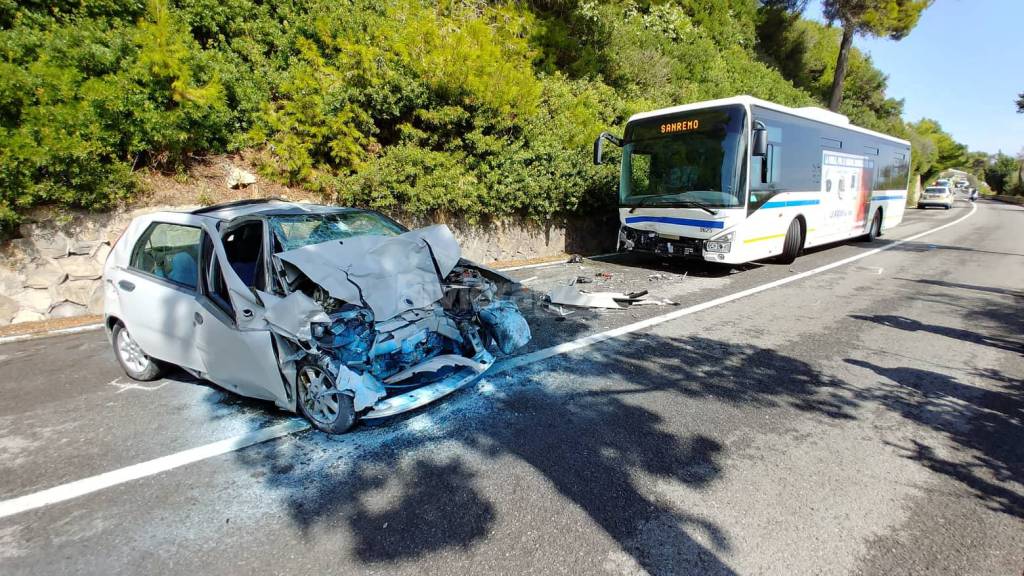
(572, 296)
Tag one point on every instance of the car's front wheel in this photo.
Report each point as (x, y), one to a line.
(135, 363)
(320, 401)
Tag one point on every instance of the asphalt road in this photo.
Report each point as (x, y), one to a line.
(864, 419)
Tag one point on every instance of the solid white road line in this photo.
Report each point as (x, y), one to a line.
(95, 483)
(554, 263)
(72, 330)
(141, 470)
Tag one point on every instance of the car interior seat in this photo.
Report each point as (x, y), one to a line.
(182, 269)
(243, 247)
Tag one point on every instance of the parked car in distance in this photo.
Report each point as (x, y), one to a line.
(936, 196)
(334, 313)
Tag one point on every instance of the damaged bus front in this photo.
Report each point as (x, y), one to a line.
(377, 325)
(681, 179)
(741, 179)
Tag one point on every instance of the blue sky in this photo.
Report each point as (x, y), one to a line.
(962, 65)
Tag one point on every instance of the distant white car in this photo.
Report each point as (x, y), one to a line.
(936, 196)
(334, 313)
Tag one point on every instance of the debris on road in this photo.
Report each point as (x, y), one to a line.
(583, 280)
(572, 296)
(575, 259)
(560, 311)
(604, 275)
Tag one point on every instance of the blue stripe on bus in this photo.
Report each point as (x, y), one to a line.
(878, 198)
(788, 203)
(676, 221)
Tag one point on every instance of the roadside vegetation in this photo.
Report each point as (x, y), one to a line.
(471, 109)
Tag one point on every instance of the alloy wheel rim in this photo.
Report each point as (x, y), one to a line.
(131, 354)
(321, 407)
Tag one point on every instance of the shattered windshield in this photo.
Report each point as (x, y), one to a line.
(297, 230)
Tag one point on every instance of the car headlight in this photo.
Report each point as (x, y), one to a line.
(722, 243)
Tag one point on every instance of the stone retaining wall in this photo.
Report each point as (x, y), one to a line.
(53, 270)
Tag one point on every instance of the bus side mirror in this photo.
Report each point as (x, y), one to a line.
(599, 146)
(759, 138)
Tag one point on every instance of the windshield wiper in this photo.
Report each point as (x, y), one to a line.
(640, 204)
(694, 203)
(701, 205)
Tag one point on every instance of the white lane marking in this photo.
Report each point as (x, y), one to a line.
(124, 386)
(565, 347)
(95, 483)
(134, 472)
(528, 266)
(555, 263)
(72, 330)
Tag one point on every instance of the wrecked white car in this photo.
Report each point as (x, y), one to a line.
(333, 312)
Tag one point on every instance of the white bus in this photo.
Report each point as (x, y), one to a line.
(742, 179)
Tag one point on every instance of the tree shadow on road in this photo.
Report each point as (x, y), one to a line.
(959, 334)
(589, 427)
(985, 425)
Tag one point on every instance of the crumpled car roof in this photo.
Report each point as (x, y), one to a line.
(391, 274)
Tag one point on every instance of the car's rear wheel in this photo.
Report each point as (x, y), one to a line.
(792, 244)
(135, 363)
(320, 401)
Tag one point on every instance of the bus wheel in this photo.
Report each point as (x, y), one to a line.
(794, 241)
(876, 227)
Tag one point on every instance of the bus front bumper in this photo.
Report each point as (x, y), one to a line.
(633, 240)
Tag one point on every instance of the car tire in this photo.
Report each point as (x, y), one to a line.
(135, 363)
(792, 244)
(333, 414)
(920, 207)
(876, 227)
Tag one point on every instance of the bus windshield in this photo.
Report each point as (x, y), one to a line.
(685, 159)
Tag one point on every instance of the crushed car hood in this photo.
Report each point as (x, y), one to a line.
(390, 274)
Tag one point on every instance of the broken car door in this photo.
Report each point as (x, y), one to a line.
(238, 357)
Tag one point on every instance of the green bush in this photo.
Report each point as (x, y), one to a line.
(476, 109)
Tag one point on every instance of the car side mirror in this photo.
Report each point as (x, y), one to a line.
(759, 140)
(599, 146)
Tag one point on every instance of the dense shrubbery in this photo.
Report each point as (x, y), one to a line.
(467, 108)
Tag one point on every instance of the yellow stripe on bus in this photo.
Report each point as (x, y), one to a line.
(752, 240)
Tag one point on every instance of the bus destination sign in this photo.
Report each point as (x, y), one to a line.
(682, 126)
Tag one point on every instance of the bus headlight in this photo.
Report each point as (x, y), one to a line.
(721, 244)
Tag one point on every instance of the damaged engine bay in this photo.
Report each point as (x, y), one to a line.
(393, 322)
